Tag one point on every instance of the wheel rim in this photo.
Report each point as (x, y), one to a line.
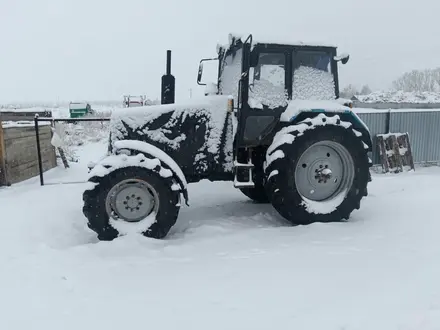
(324, 170)
(132, 200)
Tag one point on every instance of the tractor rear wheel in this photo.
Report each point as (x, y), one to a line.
(258, 194)
(317, 171)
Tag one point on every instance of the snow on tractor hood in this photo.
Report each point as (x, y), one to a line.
(161, 123)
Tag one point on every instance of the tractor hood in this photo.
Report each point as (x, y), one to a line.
(158, 122)
(192, 132)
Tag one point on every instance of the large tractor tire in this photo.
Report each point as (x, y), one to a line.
(131, 197)
(317, 170)
(258, 194)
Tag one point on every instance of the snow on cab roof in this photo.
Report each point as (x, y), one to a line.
(281, 40)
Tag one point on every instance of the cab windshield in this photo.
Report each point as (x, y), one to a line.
(313, 59)
(312, 78)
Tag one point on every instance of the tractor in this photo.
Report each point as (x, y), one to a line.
(273, 124)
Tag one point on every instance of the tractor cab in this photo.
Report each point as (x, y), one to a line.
(275, 72)
(263, 76)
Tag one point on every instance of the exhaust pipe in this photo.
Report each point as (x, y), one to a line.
(168, 83)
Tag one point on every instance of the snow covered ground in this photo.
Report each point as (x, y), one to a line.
(227, 264)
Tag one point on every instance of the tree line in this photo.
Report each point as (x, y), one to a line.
(418, 81)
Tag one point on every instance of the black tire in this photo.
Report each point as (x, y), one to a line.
(258, 194)
(281, 187)
(95, 202)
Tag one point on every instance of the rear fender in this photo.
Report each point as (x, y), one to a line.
(346, 115)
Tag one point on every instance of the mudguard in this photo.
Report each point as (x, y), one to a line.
(299, 110)
(151, 151)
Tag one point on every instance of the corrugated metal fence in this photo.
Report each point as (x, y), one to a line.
(423, 127)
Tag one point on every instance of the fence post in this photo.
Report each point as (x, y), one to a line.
(388, 121)
(37, 135)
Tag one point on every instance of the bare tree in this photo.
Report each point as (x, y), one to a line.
(349, 91)
(419, 81)
(366, 90)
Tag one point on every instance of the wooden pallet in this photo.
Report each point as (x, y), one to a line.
(395, 152)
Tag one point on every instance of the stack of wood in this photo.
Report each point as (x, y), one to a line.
(395, 152)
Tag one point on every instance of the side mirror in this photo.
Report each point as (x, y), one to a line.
(343, 58)
(200, 73)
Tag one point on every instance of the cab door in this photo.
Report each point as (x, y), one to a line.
(269, 92)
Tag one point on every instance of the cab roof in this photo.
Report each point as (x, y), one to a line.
(277, 40)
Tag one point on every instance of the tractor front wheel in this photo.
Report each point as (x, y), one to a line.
(131, 199)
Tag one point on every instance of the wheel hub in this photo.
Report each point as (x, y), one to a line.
(324, 170)
(323, 174)
(132, 200)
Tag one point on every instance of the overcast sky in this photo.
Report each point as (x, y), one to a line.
(62, 50)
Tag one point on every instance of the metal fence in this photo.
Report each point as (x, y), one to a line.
(395, 105)
(422, 125)
(38, 119)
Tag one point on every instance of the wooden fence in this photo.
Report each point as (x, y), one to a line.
(22, 115)
(18, 152)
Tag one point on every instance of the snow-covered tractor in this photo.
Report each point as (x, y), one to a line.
(273, 125)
